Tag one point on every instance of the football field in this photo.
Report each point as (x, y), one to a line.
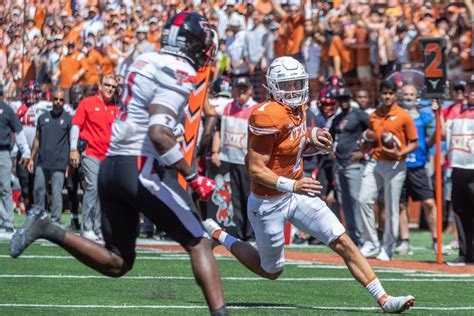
(47, 281)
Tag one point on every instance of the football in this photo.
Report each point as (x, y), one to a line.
(312, 134)
(390, 141)
(369, 138)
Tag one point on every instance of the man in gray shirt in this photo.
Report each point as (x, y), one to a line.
(9, 125)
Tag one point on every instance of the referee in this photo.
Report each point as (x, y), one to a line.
(10, 128)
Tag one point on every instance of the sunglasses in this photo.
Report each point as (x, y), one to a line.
(58, 99)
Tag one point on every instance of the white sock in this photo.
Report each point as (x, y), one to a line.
(225, 239)
(376, 290)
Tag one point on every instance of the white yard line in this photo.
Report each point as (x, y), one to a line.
(313, 279)
(272, 307)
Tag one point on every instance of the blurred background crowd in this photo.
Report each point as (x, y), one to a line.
(72, 45)
(64, 43)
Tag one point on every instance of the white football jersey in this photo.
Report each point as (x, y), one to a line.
(29, 116)
(153, 78)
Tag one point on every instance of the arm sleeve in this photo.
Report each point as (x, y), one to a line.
(23, 144)
(74, 137)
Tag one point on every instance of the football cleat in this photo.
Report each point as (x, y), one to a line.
(35, 224)
(396, 304)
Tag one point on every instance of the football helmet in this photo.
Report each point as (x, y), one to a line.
(28, 93)
(287, 82)
(189, 35)
(327, 102)
(221, 87)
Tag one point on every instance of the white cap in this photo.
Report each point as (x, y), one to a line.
(143, 29)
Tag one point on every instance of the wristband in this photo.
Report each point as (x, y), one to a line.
(314, 134)
(172, 156)
(285, 185)
(191, 177)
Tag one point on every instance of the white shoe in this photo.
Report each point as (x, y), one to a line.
(89, 234)
(369, 249)
(383, 255)
(397, 304)
(404, 248)
(444, 249)
(212, 228)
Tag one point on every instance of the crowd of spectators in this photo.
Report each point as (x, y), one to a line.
(62, 43)
(71, 45)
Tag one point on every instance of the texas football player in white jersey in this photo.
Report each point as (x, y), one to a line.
(142, 164)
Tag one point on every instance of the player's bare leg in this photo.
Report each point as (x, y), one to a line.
(37, 225)
(244, 252)
(364, 274)
(206, 273)
(355, 261)
(94, 256)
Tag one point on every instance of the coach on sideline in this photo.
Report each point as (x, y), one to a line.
(51, 143)
(9, 124)
(93, 124)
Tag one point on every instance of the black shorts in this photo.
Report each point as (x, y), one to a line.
(122, 196)
(417, 185)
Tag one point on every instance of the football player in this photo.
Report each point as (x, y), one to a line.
(141, 168)
(29, 112)
(280, 192)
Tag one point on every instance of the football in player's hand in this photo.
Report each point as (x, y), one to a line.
(318, 136)
(390, 141)
(368, 138)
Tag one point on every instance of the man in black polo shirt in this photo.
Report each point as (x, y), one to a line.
(9, 125)
(346, 129)
(51, 144)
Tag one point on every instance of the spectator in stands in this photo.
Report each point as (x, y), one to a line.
(347, 128)
(51, 145)
(142, 45)
(93, 124)
(292, 29)
(386, 169)
(255, 55)
(458, 131)
(68, 66)
(9, 125)
(91, 65)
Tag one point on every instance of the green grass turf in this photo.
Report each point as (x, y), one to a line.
(301, 297)
(421, 242)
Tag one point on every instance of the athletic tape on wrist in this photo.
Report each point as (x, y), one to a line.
(172, 156)
(163, 120)
(314, 134)
(285, 185)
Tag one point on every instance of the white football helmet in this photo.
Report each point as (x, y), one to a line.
(287, 82)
